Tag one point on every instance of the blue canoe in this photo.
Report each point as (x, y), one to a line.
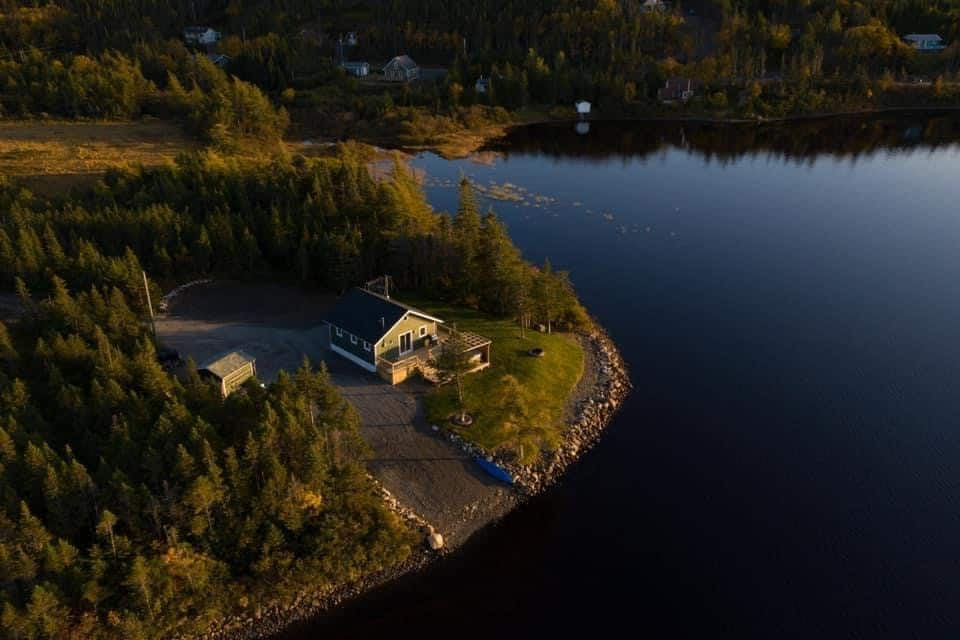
(494, 470)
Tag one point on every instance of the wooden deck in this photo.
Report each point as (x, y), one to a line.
(418, 360)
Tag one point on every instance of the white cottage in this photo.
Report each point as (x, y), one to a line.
(201, 35)
(358, 69)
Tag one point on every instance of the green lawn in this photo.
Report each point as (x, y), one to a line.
(544, 384)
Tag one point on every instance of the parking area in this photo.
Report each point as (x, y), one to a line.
(279, 325)
(276, 324)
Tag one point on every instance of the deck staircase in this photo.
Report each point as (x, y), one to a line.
(429, 373)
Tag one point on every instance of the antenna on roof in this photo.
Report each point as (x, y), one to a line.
(379, 285)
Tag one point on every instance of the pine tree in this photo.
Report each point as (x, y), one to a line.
(8, 354)
(46, 615)
(202, 251)
(105, 528)
(466, 230)
(8, 259)
(140, 580)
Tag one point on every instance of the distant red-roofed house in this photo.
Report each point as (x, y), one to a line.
(678, 90)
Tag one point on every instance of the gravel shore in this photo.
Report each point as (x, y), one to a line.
(601, 389)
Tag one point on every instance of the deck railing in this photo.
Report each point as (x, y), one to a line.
(420, 358)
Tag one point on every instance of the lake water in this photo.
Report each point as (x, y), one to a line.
(788, 465)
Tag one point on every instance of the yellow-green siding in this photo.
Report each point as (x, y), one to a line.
(389, 345)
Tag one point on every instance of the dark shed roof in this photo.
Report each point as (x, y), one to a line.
(360, 312)
(404, 61)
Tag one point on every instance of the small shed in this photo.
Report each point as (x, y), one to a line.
(582, 107)
(358, 69)
(230, 370)
(481, 85)
(401, 69)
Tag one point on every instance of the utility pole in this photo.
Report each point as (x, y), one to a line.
(153, 321)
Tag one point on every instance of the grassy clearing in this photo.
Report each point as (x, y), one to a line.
(53, 156)
(60, 148)
(545, 383)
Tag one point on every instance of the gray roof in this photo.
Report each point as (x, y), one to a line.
(404, 61)
(195, 30)
(225, 364)
(922, 36)
(369, 315)
(218, 59)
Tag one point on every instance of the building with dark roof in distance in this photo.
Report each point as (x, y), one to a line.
(401, 69)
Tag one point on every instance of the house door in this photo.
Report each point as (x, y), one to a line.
(406, 342)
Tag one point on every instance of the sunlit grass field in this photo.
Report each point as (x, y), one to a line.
(545, 383)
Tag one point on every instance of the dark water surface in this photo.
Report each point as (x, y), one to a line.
(788, 300)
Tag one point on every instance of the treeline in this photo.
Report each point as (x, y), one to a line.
(484, 269)
(135, 505)
(217, 107)
(324, 221)
(755, 58)
(799, 142)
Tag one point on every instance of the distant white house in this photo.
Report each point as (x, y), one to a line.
(654, 5)
(582, 107)
(358, 69)
(481, 85)
(401, 69)
(200, 35)
(926, 42)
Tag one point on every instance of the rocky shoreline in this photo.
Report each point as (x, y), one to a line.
(603, 387)
(591, 411)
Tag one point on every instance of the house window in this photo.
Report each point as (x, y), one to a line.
(353, 339)
(423, 331)
(339, 332)
(366, 346)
